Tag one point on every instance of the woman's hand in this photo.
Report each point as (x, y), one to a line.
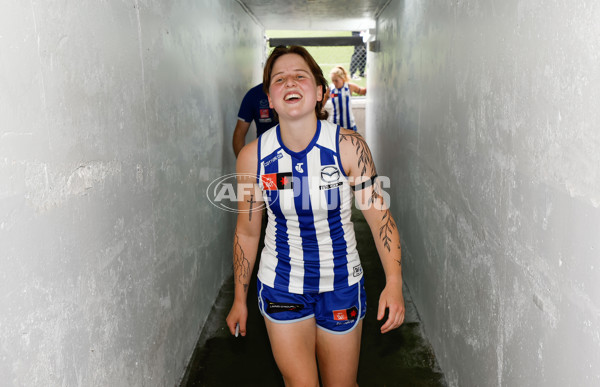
(237, 315)
(391, 298)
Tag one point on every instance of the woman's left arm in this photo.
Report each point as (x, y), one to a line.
(360, 168)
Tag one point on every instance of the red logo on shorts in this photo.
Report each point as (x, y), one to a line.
(340, 315)
(345, 314)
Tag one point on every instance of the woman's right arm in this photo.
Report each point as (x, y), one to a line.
(247, 234)
(357, 89)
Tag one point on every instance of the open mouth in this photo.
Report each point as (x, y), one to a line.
(292, 97)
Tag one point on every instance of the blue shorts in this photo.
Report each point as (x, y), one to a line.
(336, 312)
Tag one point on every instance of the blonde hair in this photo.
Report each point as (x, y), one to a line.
(340, 72)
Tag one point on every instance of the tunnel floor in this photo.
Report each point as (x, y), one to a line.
(399, 358)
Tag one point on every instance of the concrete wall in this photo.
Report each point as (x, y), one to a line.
(114, 117)
(485, 115)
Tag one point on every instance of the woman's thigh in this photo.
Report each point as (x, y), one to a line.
(293, 345)
(338, 356)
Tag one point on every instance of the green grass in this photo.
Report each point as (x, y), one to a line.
(326, 57)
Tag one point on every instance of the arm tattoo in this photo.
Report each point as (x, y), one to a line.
(376, 196)
(365, 159)
(251, 201)
(386, 230)
(240, 264)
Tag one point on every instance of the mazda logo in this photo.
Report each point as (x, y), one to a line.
(330, 173)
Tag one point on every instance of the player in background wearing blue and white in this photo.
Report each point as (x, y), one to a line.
(341, 97)
(310, 283)
(254, 107)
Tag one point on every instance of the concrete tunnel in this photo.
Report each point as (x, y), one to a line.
(115, 116)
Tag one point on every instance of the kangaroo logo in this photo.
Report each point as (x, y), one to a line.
(299, 167)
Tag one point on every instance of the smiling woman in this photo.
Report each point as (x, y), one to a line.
(326, 56)
(310, 279)
(292, 77)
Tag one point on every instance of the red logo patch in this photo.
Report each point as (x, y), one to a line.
(264, 113)
(340, 315)
(345, 314)
(277, 181)
(269, 181)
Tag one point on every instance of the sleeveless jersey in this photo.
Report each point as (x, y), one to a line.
(309, 240)
(342, 111)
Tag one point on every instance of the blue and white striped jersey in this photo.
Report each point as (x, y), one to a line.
(309, 240)
(342, 110)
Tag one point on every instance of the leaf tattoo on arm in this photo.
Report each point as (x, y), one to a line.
(365, 163)
(376, 197)
(241, 265)
(385, 230)
(365, 159)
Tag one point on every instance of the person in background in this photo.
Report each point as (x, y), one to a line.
(358, 60)
(341, 96)
(306, 171)
(254, 107)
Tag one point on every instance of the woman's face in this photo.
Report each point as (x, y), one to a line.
(337, 81)
(293, 91)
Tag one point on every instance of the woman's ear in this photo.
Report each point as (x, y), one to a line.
(319, 93)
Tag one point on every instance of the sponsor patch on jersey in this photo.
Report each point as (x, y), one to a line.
(333, 95)
(273, 159)
(330, 186)
(276, 307)
(330, 173)
(277, 181)
(357, 270)
(345, 314)
(264, 113)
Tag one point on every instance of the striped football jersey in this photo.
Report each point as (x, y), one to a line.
(309, 241)
(342, 110)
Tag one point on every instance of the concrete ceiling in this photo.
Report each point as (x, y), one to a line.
(315, 14)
